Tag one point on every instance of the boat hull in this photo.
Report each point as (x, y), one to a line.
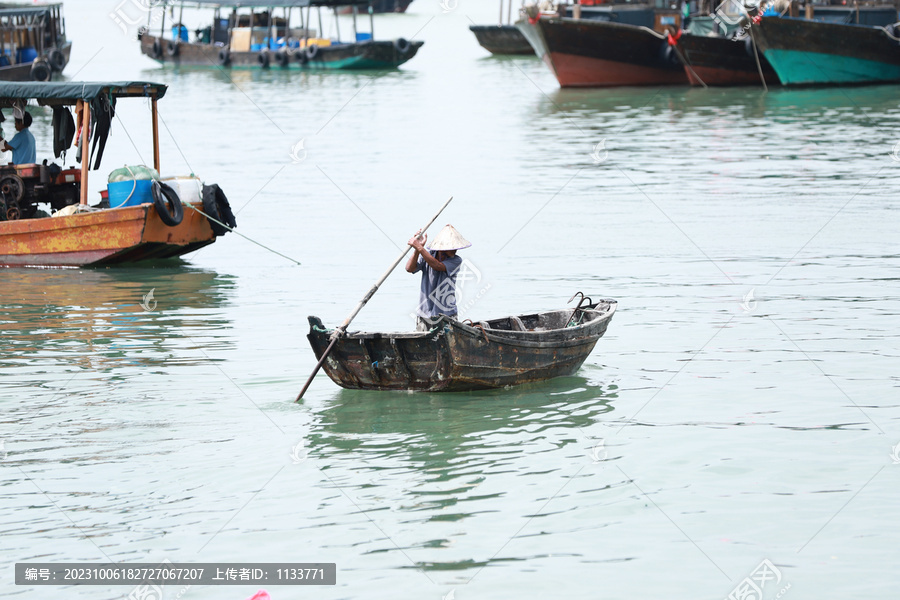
(588, 53)
(382, 6)
(454, 357)
(501, 39)
(103, 237)
(817, 53)
(720, 61)
(22, 72)
(361, 55)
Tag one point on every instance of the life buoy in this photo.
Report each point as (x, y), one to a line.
(163, 196)
(156, 50)
(57, 59)
(172, 48)
(215, 204)
(224, 57)
(402, 45)
(312, 51)
(282, 58)
(262, 59)
(40, 70)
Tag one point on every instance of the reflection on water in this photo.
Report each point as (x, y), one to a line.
(102, 320)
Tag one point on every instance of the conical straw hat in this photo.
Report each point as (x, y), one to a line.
(449, 239)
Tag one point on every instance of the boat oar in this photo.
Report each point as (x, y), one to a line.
(340, 331)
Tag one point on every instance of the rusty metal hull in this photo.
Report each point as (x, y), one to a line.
(455, 357)
(103, 237)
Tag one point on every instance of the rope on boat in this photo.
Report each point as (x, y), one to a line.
(758, 66)
(240, 234)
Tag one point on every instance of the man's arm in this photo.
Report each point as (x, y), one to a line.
(412, 265)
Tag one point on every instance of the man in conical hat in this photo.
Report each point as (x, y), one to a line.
(439, 265)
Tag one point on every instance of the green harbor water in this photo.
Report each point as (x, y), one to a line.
(742, 407)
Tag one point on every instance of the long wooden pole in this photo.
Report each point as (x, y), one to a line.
(155, 121)
(85, 150)
(340, 331)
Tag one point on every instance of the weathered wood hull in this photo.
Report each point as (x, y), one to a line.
(361, 55)
(720, 61)
(501, 39)
(589, 53)
(454, 357)
(104, 237)
(22, 72)
(806, 52)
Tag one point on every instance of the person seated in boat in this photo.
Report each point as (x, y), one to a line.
(22, 144)
(439, 265)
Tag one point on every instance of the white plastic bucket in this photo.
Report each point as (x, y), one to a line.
(187, 187)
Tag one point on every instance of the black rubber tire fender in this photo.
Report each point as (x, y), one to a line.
(402, 45)
(157, 49)
(312, 51)
(172, 48)
(216, 205)
(41, 70)
(224, 56)
(57, 59)
(163, 195)
(262, 59)
(300, 55)
(282, 59)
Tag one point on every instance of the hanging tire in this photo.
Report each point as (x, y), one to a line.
(172, 48)
(40, 70)
(157, 50)
(300, 55)
(224, 57)
(57, 59)
(402, 45)
(312, 51)
(282, 59)
(163, 196)
(262, 59)
(215, 204)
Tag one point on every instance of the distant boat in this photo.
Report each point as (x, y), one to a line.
(455, 356)
(502, 38)
(33, 42)
(819, 52)
(141, 225)
(385, 6)
(252, 39)
(620, 45)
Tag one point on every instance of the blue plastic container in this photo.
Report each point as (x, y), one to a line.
(363, 37)
(138, 190)
(182, 35)
(26, 55)
(256, 47)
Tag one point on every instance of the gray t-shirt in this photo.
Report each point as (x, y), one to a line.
(438, 290)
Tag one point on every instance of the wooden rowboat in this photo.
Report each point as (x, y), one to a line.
(454, 356)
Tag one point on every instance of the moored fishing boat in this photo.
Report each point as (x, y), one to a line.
(141, 219)
(813, 52)
(457, 356)
(502, 38)
(33, 42)
(621, 45)
(385, 6)
(248, 38)
(716, 58)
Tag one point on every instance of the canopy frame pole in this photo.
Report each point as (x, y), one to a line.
(180, 22)
(372, 22)
(269, 28)
(85, 150)
(337, 25)
(162, 25)
(508, 12)
(155, 121)
(355, 11)
(321, 29)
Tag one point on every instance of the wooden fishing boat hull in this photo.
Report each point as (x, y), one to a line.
(454, 357)
(806, 52)
(383, 6)
(104, 237)
(22, 72)
(359, 55)
(501, 39)
(720, 61)
(593, 53)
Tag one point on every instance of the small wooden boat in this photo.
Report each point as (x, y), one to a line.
(136, 229)
(455, 356)
(264, 40)
(33, 42)
(628, 48)
(812, 52)
(718, 58)
(502, 38)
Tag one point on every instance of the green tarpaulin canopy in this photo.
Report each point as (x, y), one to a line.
(68, 92)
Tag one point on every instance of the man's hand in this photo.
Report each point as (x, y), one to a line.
(418, 241)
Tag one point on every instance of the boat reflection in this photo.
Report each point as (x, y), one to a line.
(103, 320)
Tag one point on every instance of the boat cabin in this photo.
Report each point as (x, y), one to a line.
(33, 41)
